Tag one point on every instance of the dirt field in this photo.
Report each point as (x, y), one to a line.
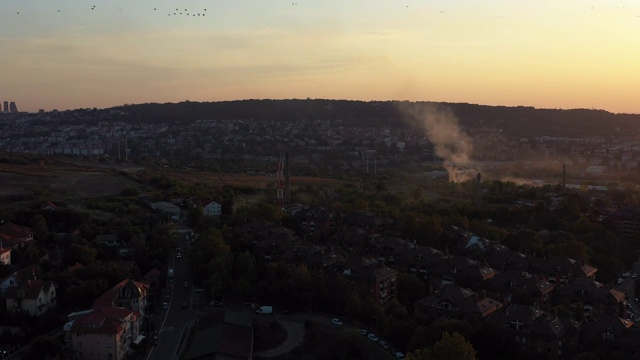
(65, 180)
(65, 184)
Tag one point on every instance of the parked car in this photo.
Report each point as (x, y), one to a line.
(186, 284)
(265, 310)
(364, 332)
(383, 344)
(399, 355)
(373, 337)
(336, 322)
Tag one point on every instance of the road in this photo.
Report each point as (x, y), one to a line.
(176, 319)
(629, 288)
(372, 351)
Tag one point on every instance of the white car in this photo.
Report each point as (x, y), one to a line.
(373, 337)
(400, 356)
(336, 322)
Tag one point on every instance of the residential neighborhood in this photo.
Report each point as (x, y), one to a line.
(512, 269)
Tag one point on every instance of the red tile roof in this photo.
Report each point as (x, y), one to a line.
(103, 320)
(11, 231)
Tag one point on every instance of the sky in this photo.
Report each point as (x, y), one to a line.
(67, 54)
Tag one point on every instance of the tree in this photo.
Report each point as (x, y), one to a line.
(40, 230)
(452, 347)
(410, 289)
(419, 354)
(587, 356)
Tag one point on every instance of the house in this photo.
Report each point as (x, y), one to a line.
(212, 209)
(561, 269)
(223, 335)
(33, 297)
(610, 337)
(153, 277)
(508, 260)
(419, 260)
(292, 209)
(49, 206)
(76, 267)
(534, 332)
(315, 222)
(510, 283)
(103, 333)
(454, 302)
(18, 277)
(462, 271)
(107, 240)
(15, 236)
(375, 281)
(5, 256)
(167, 208)
(128, 294)
(592, 296)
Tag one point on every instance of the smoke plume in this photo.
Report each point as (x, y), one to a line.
(450, 142)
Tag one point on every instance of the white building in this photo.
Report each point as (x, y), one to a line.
(213, 209)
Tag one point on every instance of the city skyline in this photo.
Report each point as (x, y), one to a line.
(548, 54)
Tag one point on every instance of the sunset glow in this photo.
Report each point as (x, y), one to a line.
(548, 54)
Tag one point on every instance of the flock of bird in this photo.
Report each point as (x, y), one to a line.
(186, 12)
(177, 12)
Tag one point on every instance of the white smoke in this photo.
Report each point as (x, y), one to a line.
(450, 142)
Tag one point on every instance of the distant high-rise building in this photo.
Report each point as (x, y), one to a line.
(6, 106)
(12, 107)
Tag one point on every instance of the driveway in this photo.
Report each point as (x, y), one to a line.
(295, 335)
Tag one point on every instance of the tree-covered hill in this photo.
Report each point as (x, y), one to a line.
(517, 121)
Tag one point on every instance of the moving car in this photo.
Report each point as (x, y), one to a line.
(165, 306)
(183, 305)
(336, 322)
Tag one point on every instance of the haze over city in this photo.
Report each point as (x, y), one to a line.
(549, 54)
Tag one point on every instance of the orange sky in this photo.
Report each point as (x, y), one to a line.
(548, 54)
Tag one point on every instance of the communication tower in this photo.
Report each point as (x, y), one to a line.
(280, 181)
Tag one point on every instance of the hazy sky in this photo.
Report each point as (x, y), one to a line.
(544, 53)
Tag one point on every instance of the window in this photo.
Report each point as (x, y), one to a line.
(79, 345)
(608, 335)
(445, 305)
(517, 324)
(109, 356)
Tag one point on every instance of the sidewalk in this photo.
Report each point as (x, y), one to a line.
(295, 335)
